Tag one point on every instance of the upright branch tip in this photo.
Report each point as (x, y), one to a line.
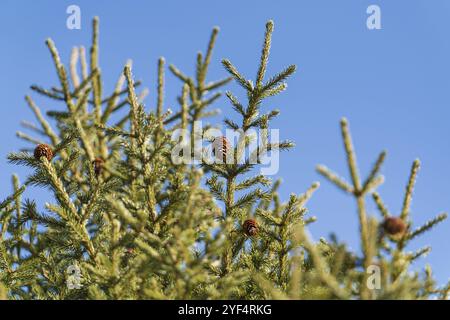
(409, 189)
(264, 54)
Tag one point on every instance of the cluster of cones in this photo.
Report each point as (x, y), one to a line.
(44, 150)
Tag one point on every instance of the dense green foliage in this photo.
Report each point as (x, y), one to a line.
(129, 223)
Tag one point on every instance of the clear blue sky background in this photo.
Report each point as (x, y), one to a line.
(392, 84)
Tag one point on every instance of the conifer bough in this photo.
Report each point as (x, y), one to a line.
(137, 226)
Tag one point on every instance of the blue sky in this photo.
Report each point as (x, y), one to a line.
(392, 84)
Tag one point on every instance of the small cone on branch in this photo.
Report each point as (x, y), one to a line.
(98, 166)
(220, 147)
(394, 227)
(43, 150)
(250, 227)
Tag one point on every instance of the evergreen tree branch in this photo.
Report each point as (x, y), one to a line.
(427, 226)
(373, 174)
(334, 178)
(380, 205)
(409, 190)
(321, 266)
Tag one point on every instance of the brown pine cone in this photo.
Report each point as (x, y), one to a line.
(43, 150)
(220, 147)
(98, 166)
(394, 226)
(250, 227)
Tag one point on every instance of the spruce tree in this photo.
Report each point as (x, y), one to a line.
(128, 222)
